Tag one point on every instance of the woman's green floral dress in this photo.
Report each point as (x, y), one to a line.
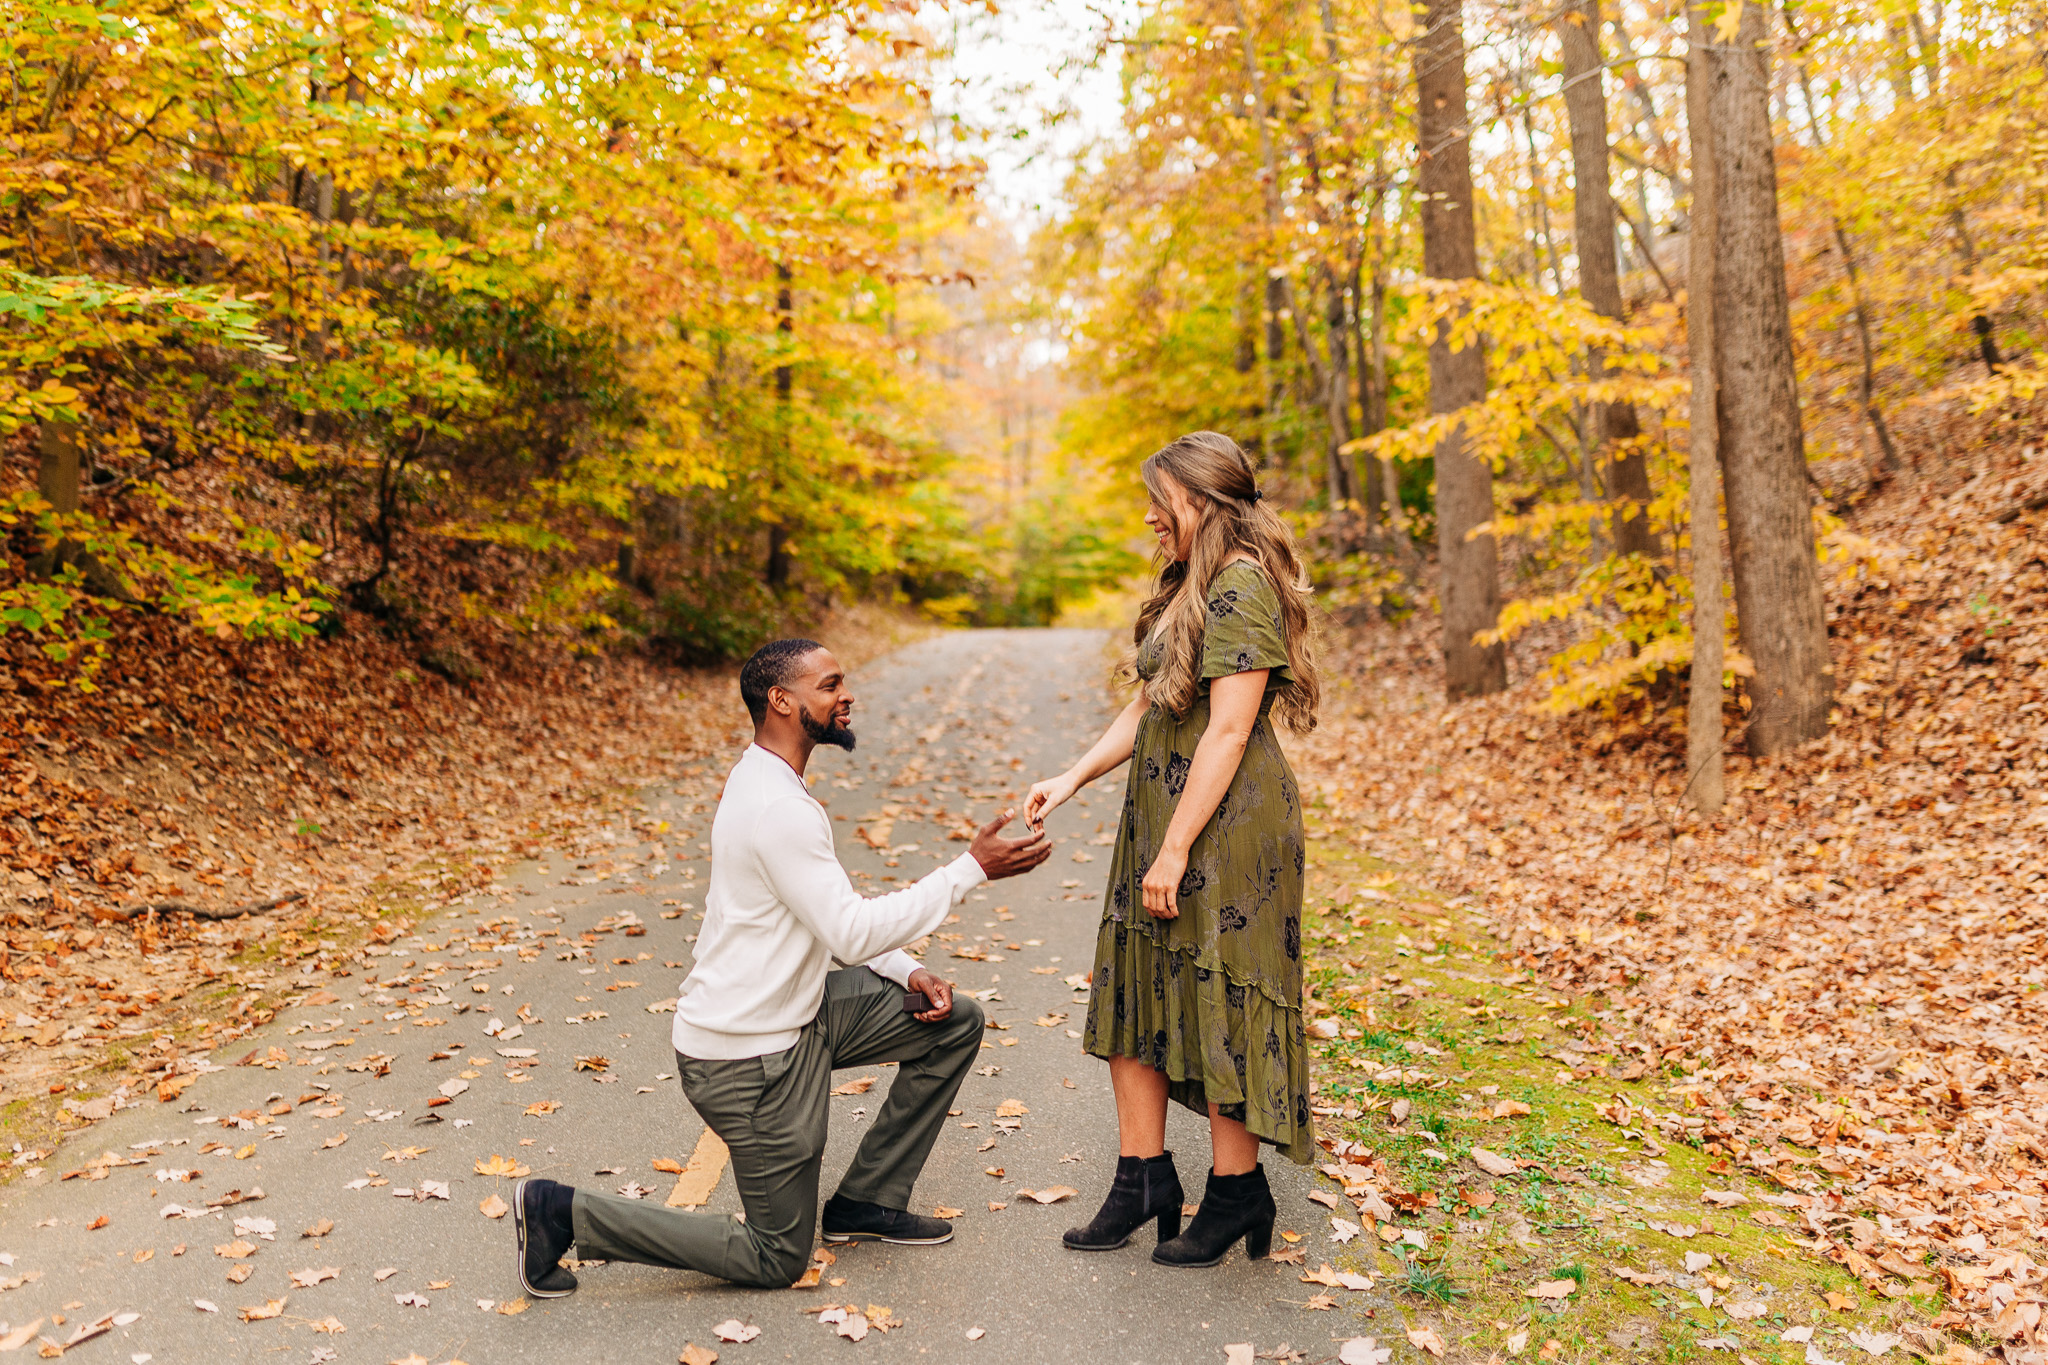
(1213, 997)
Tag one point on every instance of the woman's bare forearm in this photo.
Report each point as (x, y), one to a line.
(1114, 748)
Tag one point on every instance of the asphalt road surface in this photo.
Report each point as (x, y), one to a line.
(957, 726)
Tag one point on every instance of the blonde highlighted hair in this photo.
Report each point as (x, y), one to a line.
(1232, 521)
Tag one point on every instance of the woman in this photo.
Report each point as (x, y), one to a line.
(1197, 986)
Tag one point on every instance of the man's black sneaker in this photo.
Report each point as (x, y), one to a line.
(852, 1220)
(540, 1215)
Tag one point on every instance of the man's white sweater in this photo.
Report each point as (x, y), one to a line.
(780, 909)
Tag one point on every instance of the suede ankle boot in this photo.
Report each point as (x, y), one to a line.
(1233, 1206)
(1144, 1188)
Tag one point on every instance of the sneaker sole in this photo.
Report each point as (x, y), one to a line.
(519, 1226)
(841, 1238)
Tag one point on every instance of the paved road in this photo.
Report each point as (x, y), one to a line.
(957, 724)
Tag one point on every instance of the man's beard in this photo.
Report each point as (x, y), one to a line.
(820, 733)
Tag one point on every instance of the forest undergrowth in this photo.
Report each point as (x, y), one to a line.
(1835, 984)
(345, 777)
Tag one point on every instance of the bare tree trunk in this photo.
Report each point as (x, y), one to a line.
(1779, 606)
(1612, 424)
(1469, 565)
(1705, 738)
(1878, 427)
(58, 463)
(776, 572)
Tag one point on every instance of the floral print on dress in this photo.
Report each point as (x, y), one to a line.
(1213, 997)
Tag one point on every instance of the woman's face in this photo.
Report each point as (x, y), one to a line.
(1174, 522)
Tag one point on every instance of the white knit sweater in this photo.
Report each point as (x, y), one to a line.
(780, 910)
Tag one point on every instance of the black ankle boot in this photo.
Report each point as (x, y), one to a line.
(1144, 1188)
(1233, 1206)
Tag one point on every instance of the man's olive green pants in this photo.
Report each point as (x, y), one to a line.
(771, 1112)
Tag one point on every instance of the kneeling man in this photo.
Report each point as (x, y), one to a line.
(764, 1017)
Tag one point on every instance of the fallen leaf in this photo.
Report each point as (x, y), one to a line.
(1508, 1109)
(512, 1308)
(1426, 1339)
(1050, 1195)
(1012, 1109)
(1876, 1343)
(24, 1334)
(1696, 1261)
(668, 1165)
(1642, 1277)
(1552, 1289)
(268, 1310)
(1238, 1353)
(732, 1329)
(494, 1207)
(1493, 1163)
(319, 1229)
(1363, 1351)
(946, 1211)
(1747, 1308)
(1723, 1199)
(693, 1354)
(499, 1165)
(1839, 1301)
(976, 1333)
(542, 1108)
(306, 1279)
(235, 1250)
(860, 1085)
(334, 1141)
(330, 1325)
(237, 1274)
(96, 1224)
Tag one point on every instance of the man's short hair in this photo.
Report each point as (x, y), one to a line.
(774, 664)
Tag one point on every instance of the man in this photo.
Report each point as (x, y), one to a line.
(764, 1017)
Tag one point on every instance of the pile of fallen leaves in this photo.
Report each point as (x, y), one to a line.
(218, 796)
(1843, 971)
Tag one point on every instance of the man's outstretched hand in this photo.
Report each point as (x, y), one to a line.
(1000, 857)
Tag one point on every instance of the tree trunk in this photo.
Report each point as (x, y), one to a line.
(1779, 607)
(58, 462)
(776, 572)
(1613, 424)
(1705, 738)
(1470, 591)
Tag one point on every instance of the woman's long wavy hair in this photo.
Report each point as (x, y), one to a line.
(1232, 520)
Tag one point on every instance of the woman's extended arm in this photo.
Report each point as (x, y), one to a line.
(1113, 749)
(1233, 711)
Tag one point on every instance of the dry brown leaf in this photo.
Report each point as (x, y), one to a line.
(268, 1310)
(1426, 1339)
(859, 1085)
(1052, 1194)
(494, 1207)
(1552, 1289)
(513, 1307)
(693, 1354)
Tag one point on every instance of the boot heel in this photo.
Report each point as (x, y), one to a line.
(1258, 1241)
(1169, 1224)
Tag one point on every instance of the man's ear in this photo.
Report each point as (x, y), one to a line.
(780, 702)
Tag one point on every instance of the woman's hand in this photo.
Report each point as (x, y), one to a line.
(1162, 884)
(1048, 796)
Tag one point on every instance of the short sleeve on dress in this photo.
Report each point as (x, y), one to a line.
(1244, 631)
